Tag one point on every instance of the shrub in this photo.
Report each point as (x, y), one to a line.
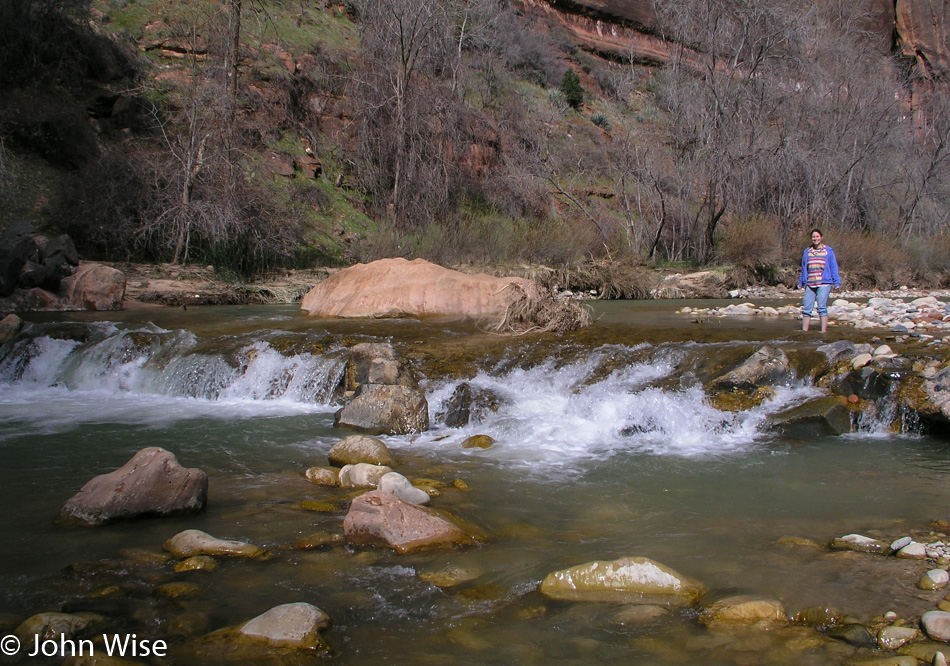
(752, 241)
(601, 120)
(572, 89)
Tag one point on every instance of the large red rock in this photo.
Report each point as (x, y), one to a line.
(399, 288)
(95, 287)
(152, 483)
(379, 518)
(923, 29)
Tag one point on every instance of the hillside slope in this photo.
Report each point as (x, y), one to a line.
(254, 136)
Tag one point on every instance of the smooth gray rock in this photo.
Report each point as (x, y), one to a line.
(768, 365)
(378, 409)
(296, 624)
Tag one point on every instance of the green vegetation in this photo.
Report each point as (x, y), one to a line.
(332, 135)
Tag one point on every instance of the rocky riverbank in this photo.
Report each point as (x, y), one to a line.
(902, 312)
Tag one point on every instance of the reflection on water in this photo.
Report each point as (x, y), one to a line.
(602, 451)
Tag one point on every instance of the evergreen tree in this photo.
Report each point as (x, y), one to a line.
(572, 89)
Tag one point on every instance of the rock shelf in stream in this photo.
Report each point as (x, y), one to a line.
(926, 313)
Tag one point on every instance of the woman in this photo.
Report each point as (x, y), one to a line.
(819, 273)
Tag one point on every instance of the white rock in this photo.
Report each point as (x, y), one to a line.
(860, 361)
(891, 638)
(362, 475)
(900, 543)
(934, 580)
(398, 485)
(882, 350)
(288, 624)
(913, 551)
(936, 624)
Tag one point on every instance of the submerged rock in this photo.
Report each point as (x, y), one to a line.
(379, 518)
(478, 442)
(359, 449)
(54, 625)
(859, 543)
(855, 634)
(152, 483)
(467, 404)
(627, 580)
(815, 418)
(377, 409)
(746, 610)
(891, 638)
(195, 542)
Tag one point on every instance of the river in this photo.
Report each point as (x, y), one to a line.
(604, 448)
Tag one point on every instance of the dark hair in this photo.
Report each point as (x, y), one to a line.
(819, 232)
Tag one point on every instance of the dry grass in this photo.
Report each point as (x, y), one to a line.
(527, 314)
(608, 279)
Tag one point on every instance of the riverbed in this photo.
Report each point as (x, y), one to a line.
(605, 448)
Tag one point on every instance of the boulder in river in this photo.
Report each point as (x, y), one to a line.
(401, 288)
(379, 409)
(94, 287)
(296, 624)
(195, 542)
(627, 580)
(746, 610)
(379, 518)
(152, 483)
(359, 449)
(816, 418)
(362, 475)
(768, 365)
(376, 363)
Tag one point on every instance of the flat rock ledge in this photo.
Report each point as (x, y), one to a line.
(152, 483)
(629, 580)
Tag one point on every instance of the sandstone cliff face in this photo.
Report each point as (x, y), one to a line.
(923, 33)
(614, 28)
(626, 28)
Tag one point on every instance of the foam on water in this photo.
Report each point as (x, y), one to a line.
(150, 376)
(557, 415)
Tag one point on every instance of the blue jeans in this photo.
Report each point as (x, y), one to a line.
(819, 294)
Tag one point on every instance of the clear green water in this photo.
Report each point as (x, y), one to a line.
(707, 497)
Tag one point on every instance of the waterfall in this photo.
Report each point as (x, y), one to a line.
(104, 366)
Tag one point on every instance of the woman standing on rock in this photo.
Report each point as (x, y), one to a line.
(819, 274)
